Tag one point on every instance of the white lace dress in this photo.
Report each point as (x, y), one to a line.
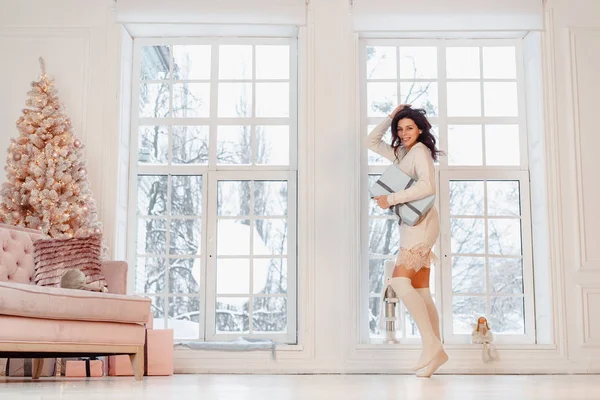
(416, 241)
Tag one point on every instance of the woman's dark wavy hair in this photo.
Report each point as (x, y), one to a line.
(426, 137)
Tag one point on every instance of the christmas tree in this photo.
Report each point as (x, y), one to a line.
(47, 187)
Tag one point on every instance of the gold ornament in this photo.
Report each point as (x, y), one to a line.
(17, 156)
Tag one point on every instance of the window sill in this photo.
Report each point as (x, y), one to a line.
(453, 347)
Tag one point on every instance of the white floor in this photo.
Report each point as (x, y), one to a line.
(310, 387)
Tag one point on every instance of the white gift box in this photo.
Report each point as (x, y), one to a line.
(394, 180)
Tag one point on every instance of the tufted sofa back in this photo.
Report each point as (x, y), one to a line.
(16, 254)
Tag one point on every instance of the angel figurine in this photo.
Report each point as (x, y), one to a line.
(482, 334)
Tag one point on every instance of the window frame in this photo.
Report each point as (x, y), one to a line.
(445, 173)
(212, 171)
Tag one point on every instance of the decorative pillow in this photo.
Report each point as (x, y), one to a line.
(53, 257)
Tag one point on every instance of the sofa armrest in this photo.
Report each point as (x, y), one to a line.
(115, 273)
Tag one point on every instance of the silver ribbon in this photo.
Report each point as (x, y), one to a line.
(396, 208)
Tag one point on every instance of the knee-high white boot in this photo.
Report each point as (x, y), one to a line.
(441, 358)
(415, 305)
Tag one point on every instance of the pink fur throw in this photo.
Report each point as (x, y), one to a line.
(53, 257)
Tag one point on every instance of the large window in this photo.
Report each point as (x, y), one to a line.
(473, 93)
(214, 177)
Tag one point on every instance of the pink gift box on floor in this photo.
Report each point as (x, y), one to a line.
(79, 369)
(159, 356)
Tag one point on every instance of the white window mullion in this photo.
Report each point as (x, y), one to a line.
(211, 265)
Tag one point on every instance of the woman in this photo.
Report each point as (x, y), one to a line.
(413, 150)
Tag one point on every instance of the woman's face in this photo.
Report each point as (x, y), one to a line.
(408, 132)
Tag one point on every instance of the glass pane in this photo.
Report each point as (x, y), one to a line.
(186, 195)
(504, 236)
(190, 144)
(503, 198)
(507, 315)
(467, 235)
(233, 198)
(420, 95)
(191, 100)
(500, 99)
(150, 275)
(185, 275)
(375, 304)
(384, 237)
(153, 145)
(465, 311)
(502, 145)
(468, 274)
(184, 317)
(232, 314)
(506, 275)
(464, 99)
(158, 311)
(462, 63)
(233, 145)
(191, 62)
(235, 100)
(499, 63)
(465, 146)
(466, 198)
(273, 100)
(152, 236)
(270, 198)
(270, 237)
(270, 275)
(376, 276)
(152, 195)
(374, 158)
(235, 62)
(381, 62)
(233, 276)
(186, 236)
(269, 314)
(154, 100)
(233, 237)
(273, 62)
(155, 62)
(273, 145)
(382, 98)
(418, 63)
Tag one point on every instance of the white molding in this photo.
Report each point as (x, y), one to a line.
(463, 360)
(583, 264)
(306, 289)
(554, 192)
(584, 292)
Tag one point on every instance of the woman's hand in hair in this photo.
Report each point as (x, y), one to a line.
(398, 109)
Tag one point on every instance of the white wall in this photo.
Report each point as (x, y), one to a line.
(573, 51)
(81, 51)
(82, 48)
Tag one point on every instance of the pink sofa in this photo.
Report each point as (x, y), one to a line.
(43, 322)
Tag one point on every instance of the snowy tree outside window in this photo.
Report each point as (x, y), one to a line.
(472, 92)
(215, 194)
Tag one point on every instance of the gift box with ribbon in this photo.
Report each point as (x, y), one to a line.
(22, 367)
(84, 368)
(394, 180)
